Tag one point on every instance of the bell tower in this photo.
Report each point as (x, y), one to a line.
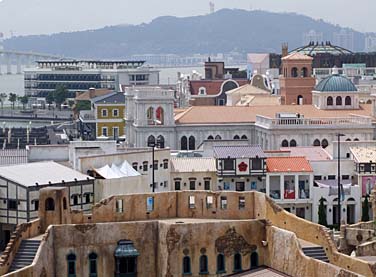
(296, 81)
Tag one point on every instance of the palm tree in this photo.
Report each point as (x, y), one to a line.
(12, 98)
(3, 97)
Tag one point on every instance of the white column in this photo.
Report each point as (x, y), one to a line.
(282, 186)
(296, 186)
(267, 185)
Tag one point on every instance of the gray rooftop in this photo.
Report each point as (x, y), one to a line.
(234, 152)
(42, 173)
(118, 98)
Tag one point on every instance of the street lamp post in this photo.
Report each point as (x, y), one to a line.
(153, 144)
(339, 177)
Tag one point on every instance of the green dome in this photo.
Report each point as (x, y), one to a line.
(335, 83)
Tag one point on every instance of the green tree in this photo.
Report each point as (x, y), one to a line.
(60, 95)
(365, 210)
(322, 213)
(12, 98)
(3, 97)
(50, 99)
(24, 100)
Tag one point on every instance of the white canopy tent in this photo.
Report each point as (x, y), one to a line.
(117, 171)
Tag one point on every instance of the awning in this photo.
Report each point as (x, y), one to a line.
(126, 248)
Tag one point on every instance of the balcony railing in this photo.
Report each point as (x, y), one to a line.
(322, 122)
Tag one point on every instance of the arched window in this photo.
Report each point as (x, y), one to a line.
(356, 139)
(285, 143)
(151, 141)
(329, 101)
(221, 266)
(202, 91)
(50, 204)
(161, 142)
(150, 115)
(316, 142)
(93, 265)
(204, 264)
(244, 137)
(186, 265)
(324, 143)
(293, 143)
(254, 260)
(71, 259)
(184, 143)
(348, 139)
(64, 203)
(338, 101)
(210, 137)
(218, 137)
(294, 72)
(304, 72)
(369, 102)
(348, 101)
(237, 262)
(159, 115)
(236, 137)
(300, 100)
(192, 143)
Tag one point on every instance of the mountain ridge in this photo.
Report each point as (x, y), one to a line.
(224, 31)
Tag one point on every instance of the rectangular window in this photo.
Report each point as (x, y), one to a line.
(345, 177)
(165, 164)
(36, 205)
(191, 202)
(150, 204)
(156, 165)
(361, 167)
(367, 167)
(241, 202)
(331, 177)
(115, 113)
(12, 204)
(177, 185)
(119, 206)
(207, 184)
(209, 202)
(145, 166)
(317, 177)
(228, 164)
(223, 202)
(256, 164)
(104, 113)
(104, 131)
(373, 167)
(87, 198)
(192, 184)
(135, 166)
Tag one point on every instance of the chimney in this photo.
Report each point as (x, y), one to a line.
(91, 92)
(285, 49)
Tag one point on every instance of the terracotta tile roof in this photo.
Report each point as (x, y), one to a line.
(98, 92)
(288, 164)
(311, 153)
(234, 152)
(297, 56)
(213, 87)
(236, 115)
(193, 165)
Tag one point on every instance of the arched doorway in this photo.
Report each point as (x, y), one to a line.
(299, 100)
(192, 143)
(161, 142)
(293, 143)
(285, 143)
(151, 141)
(184, 143)
(254, 260)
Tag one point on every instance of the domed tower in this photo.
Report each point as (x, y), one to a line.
(336, 92)
(296, 81)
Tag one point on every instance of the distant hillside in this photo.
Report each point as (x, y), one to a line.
(220, 32)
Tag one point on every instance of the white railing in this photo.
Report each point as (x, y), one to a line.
(322, 122)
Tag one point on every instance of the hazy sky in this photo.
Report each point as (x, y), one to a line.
(47, 16)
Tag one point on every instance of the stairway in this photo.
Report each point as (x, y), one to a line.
(25, 254)
(317, 253)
